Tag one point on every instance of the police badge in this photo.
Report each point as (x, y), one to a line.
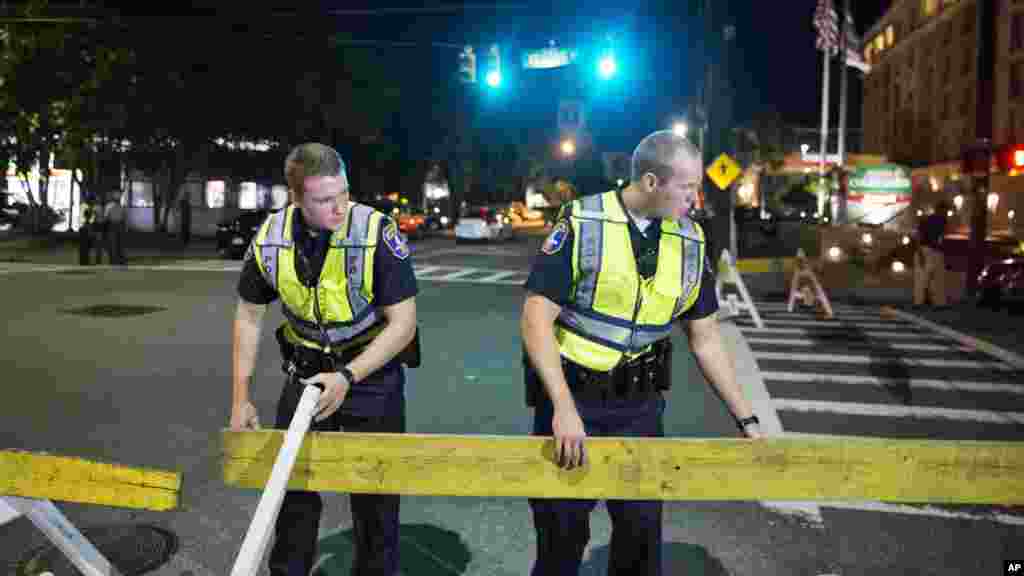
(395, 242)
(553, 243)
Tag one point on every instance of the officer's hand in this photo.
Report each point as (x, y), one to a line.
(244, 416)
(335, 390)
(569, 434)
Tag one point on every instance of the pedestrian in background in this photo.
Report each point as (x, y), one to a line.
(929, 260)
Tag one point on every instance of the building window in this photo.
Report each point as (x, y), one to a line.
(890, 36)
(1016, 73)
(965, 102)
(928, 7)
(970, 14)
(947, 32)
(879, 43)
(965, 61)
(1017, 31)
(945, 105)
(215, 194)
(945, 68)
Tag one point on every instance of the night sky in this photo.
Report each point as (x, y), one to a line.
(775, 66)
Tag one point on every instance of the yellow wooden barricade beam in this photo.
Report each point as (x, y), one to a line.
(69, 479)
(809, 469)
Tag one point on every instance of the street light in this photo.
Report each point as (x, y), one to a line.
(568, 147)
(493, 78)
(679, 128)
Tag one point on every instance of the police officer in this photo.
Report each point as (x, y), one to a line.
(616, 272)
(347, 289)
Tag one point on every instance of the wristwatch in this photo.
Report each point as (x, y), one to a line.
(742, 423)
(349, 377)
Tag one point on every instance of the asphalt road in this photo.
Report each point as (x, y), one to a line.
(154, 390)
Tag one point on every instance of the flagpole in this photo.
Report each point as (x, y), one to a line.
(842, 104)
(824, 113)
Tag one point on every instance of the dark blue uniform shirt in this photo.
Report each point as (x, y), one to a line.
(551, 274)
(393, 277)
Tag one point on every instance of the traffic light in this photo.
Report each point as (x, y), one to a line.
(467, 65)
(1011, 159)
(607, 66)
(493, 77)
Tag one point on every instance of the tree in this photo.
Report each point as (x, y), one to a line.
(38, 69)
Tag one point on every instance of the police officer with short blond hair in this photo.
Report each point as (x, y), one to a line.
(613, 277)
(347, 289)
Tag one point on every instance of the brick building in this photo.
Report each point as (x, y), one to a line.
(921, 100)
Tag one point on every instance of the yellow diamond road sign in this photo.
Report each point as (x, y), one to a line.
(723, 171)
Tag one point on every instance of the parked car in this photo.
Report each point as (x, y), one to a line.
(435, 221)
(411, 222)
(235, 234)
(1001, 282)
(482, 224)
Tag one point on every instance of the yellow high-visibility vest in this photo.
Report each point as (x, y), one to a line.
(614, 313)
(338, 312)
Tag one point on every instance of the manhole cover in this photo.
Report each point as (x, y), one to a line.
(114, 310)
(132, 549)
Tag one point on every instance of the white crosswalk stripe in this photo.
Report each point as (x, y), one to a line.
(806, 343)
(429, 273)
(474, 275)
(868, 359)
(865, 374)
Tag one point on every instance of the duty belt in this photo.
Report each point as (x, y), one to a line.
(306, 362)
(637, 378)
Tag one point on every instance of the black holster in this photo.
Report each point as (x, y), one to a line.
(639, 377)
(306, 362)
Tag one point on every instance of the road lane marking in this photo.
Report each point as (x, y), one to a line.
(806, 342)
(836, 324)
(898, 411)
(457, 274)
(830, 331)
(499, 276)
(867, 359)
(422, 271)
(930, 383)
(886, 507)
(1015, 360)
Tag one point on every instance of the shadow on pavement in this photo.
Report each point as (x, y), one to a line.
(676, 558)
(423, 549)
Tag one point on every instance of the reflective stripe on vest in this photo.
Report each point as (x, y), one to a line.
(597, 329)
(349, 261)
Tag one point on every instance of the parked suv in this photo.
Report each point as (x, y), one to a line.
(235, 234)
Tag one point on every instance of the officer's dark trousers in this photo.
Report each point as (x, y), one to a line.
(377, 404)
(563, 526)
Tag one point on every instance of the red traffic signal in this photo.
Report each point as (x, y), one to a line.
(1011, 159)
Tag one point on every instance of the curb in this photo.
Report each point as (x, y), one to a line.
(748, 374)
(1011, 358)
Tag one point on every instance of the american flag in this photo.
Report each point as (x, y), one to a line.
(826, 22)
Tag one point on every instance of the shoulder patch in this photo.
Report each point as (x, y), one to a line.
(394, 241)
(556, 239)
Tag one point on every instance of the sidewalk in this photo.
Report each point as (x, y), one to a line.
(139, 248)
(1002, 328)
